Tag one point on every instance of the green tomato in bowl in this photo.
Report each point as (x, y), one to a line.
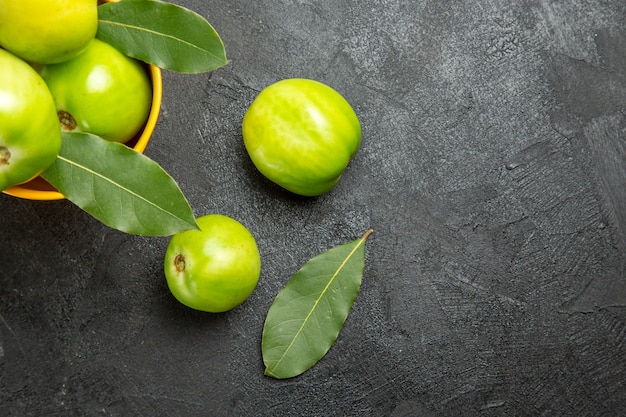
(47, 31)
(101, 91)
(30, 137)
(301, 134)
(213, 269)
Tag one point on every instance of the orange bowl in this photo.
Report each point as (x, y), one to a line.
(39, 189)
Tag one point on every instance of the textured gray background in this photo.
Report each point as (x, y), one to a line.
(492, 170)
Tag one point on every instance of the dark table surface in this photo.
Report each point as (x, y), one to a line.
(492, 170)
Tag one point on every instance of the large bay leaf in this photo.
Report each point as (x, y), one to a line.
(308, 313)
(120, 187)
(163, 34)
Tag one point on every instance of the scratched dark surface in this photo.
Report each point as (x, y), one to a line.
(492, 170)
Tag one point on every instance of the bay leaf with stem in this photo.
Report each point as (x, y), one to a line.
(119, 186)
(163, 34)
(307, 315)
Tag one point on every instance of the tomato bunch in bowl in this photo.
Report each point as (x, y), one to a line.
(57, 76)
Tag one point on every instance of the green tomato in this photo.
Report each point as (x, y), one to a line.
(101, 91)
(301, 134)
(30, 137)
(213, 269)
(47, 31)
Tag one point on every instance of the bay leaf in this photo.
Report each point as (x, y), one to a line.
(163, 34)
(119, 186)
(307, 315)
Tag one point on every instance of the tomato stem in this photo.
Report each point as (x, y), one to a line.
(5, 155)
(179, 262)
(67, 120)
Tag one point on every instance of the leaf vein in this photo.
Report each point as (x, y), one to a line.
(128, 190)
(164, 35)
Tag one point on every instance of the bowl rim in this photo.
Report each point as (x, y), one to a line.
(35, 188)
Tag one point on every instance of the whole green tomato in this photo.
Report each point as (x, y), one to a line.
(301, 134)
(101, 91)
(47, 31)
(30, 137)
(213, 269)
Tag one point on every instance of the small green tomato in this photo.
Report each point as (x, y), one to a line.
(101, 91)
(213, 269)
(47, 31)
(30, 137)
(301, 134)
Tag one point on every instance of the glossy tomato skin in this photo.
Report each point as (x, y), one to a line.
(30, 137)
(101, 91)
(213, 269)
(47, 31)
(301, 134)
